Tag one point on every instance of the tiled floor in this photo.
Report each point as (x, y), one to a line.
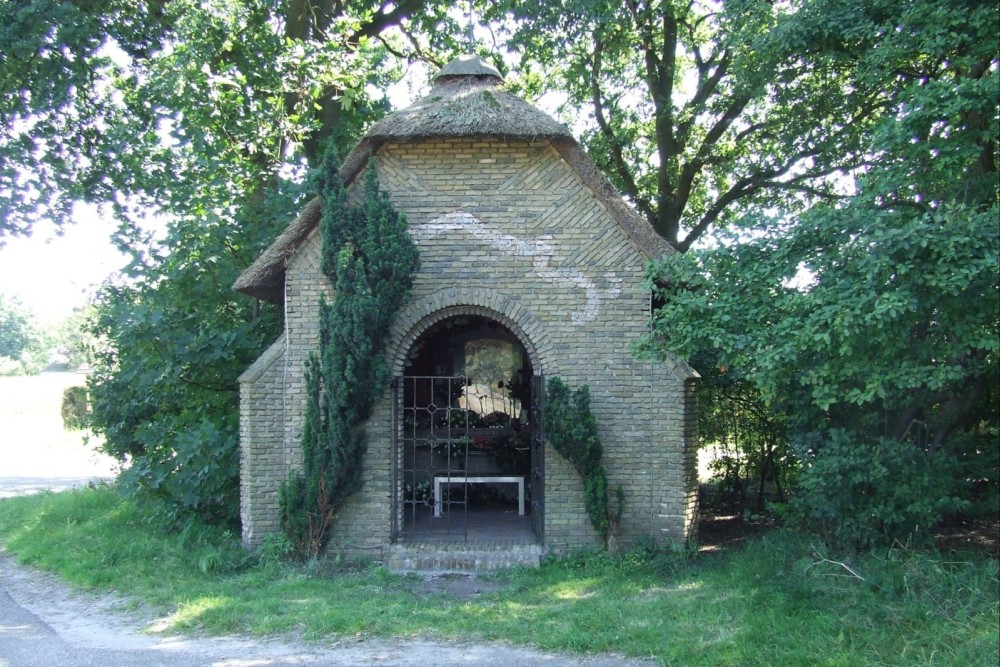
(496, 523)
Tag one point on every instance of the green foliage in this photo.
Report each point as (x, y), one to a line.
(197, 120)
(195, 123)
(369, 259)
(571, 428)
(74, 408)
(23, 348)
(26, 347)
(749, 440)
(16, 331)
(875, 318)
(157, 105)
(861, 493)
(71, 340)
(173, 341)
(695, 111)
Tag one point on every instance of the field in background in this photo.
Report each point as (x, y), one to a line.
(36, 451)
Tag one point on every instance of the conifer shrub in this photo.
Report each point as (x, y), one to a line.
(369, 258)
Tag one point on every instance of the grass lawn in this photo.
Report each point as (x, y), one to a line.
(782, 599)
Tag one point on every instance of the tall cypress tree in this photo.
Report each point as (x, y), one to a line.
(369, 258)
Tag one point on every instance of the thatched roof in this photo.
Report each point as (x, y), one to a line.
(467, 65)
(265, 278)
(467, 100)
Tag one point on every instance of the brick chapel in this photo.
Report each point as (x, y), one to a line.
(531, 267)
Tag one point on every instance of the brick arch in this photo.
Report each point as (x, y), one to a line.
(504, 309)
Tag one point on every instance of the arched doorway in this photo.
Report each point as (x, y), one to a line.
(468, 428)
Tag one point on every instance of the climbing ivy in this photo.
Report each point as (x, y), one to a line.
(369, 259)
(571, 428)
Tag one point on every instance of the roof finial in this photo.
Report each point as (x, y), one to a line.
(472, 36)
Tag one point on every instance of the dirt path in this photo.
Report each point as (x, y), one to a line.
(88, 629)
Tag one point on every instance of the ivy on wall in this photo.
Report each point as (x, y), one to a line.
(571, 428)
(369, 258)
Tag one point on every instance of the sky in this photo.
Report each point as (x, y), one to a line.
(52, 274)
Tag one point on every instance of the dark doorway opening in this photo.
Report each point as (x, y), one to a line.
(466, 421)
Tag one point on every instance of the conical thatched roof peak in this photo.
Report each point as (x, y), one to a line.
(468, 100)
(467, 65)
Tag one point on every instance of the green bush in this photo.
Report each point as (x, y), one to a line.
(170, 342)
(74, 408)
(862, 492)
(571, 428)
(200, 480)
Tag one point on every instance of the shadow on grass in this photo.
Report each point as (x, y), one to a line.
(781, 598)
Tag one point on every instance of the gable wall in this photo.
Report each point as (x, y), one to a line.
(511, 228)
(515, 222)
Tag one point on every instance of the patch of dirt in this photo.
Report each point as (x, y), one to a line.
(722, 527)
(458, 585)
(963, 534)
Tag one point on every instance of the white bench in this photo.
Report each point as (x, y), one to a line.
(485, 479)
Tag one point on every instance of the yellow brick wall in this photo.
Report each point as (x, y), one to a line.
(511, 231)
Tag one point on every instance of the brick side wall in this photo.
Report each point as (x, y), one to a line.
(511, 230)
(262, 426)
(305, 286)
(691, 460)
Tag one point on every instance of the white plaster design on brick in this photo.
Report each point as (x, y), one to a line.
(541, 252)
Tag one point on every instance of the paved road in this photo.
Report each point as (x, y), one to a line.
(27, 641)
(20, 485)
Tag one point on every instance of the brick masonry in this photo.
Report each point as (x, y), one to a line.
(509, 231)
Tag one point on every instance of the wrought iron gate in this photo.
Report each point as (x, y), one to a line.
(431, 467)
(432, 447)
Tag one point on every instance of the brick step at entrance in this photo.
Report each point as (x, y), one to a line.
(462, 556)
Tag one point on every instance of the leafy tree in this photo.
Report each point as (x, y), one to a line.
(71, 338)
(198, 119)
(874, 322)
(182, 105)
(702, 111)
(24, 348)
(171, 342)
(27, 347)
(15, 328)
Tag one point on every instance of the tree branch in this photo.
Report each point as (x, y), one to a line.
(660, 79)
(382, 20)
(707, 85)
(720, 126)
(615, 149)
